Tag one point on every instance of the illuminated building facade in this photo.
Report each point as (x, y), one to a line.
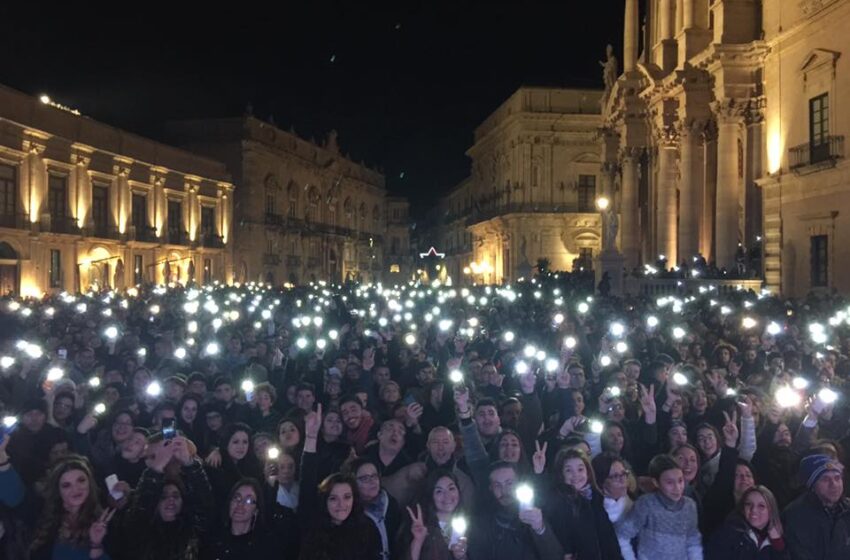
(303, 211)
(85, 204)
(535, 178)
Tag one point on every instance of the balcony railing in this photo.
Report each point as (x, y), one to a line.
(212, 241)
(177, 237)
(293, 261)
(105, 232)
(17, 221)
(673, 286)
(809, 157)
(275, 219)
(143, 233)
(61, 224)
(492, 210)
(271, 259)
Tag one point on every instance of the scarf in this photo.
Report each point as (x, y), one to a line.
(617, 508)
(359, 437)
(586, 492)
(288, 498)
(377, 512)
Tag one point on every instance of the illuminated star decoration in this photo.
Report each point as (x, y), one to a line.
(432, 253)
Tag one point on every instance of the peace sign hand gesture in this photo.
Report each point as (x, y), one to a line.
(97, 531)
(417, 524)
(730, 429)
(539, 458)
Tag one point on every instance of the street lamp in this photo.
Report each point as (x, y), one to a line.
(602, 203)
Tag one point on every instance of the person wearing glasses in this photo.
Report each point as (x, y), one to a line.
(614, 478)
(245, 534)
(377, 504)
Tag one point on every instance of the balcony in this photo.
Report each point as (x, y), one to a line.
(293, 261)
(275, 219)
(104, 232)
(809, 158)
(491, 210)
(671, 286)
(146, 234)
(212, 241)
(60, 224)
(271, 259)
(177, 237)
(17, 221)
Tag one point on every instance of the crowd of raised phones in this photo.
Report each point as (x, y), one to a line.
(423, 422)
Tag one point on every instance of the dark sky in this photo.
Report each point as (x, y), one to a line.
(404, 83)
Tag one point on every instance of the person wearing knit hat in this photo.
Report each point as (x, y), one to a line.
(818, 522)
(815, 466)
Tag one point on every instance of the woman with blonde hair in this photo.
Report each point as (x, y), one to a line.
(752, 532)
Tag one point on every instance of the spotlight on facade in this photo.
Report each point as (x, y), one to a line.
(602, 203)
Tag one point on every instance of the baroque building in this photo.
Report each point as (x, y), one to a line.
(303, 211)
(531, 194)
(725, 135)
(88, 205)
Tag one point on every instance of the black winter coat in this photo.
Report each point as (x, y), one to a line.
(733, 541)
(813, 534)
(582, 526)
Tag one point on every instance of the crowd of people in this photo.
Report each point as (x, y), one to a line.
(518, 422)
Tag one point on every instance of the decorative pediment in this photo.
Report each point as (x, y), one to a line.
(817, 58)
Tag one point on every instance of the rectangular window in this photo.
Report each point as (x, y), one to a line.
(587, 193)
(8, 190)
(175, 221)
(57, 197)
(140, 212)
(395, 269)
(819, 128)
(208, 220)
(820, 261)
(100, 209)
(55, 268)
(270, 206)
(208, 271)
(138, 269)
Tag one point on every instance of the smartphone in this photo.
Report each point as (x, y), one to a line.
(7, 427)
(62, 353)
(111, 481)
(409, 400)
(168, 429)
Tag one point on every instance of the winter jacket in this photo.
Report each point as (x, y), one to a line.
(582, 526)
(736, 540)
(813, 533)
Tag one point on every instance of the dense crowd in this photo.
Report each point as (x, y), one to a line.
(530, 421)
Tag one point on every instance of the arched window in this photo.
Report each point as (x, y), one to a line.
(292, 193)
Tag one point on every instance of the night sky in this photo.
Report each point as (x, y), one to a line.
(405, 84)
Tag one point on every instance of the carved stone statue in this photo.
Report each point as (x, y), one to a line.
(609, 70)
(331, 141)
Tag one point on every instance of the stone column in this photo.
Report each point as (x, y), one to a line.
(754, 169)
(709, 199)
(729, 123)
(629, 234)
(665, 19)
(667, 182)
(690, 191)
(687, 14)
(630, 36)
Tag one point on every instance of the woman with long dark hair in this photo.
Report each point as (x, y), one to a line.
(172, 506)
(432, 533)
(335, 527)
(576, 511)
(237, 462)
(244, 533)
(72, 524)
(190, 420)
